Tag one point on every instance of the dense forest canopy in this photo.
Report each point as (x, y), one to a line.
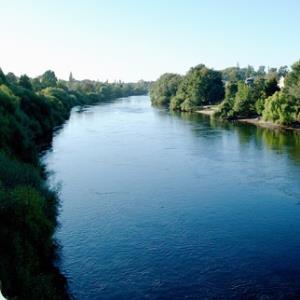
(271, 94)
(30, 108)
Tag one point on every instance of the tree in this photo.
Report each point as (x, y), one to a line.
(71, 78)
(272, 72)
(232, 74)
(250, 72)
(201, 86)
(36, 84)
(279, 109)
(24, 81)
(261, 71)
(225, 109)
(11, 78)
(187, 105)
(48, 79)
(165, 88)
(2, 77)
(271, 86)
(244, 103)
(292, 81)
(283, 71)
(176, 102)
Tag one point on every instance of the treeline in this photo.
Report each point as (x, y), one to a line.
(30, 108)
(272, 95)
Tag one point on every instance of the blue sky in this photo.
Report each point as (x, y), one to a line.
(132, 39)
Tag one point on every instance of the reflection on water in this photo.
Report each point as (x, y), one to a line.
(283, 141)
(162, 205)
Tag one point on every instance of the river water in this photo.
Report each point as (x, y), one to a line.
(159, 205)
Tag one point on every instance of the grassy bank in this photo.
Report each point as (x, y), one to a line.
(208, 110)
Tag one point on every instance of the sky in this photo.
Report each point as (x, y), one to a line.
(130, 40)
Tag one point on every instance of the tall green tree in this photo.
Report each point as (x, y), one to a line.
(24, 81)
(2, 77)
(292, 81)
(200, 86)
(282, 71)
(71, 78)
(48, 79)
(165, 88)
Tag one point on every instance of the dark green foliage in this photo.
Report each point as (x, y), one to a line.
(271, 86)
(48, 79)
(29, 111)
(225, 109)
(11, 78)
(71, 78)
(260, 106)
(176, 102)
(24, 81)
(279, 109)
(283, 71)
(244, 100)
(164, 89)
(28, 213)
(201, 86)
(284, 106)
(292, 81)
(14, 173)
(2, 77)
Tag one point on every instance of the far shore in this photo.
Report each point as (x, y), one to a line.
(210, 110)
(267, 124)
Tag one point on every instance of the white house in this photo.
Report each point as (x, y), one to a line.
(281, 82)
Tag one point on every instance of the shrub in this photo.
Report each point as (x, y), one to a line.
(279, 109)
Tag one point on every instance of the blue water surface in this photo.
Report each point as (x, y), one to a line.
(162, 205)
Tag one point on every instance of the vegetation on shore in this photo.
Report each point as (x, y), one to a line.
(29, 111)
(239, 92)
(200, 86)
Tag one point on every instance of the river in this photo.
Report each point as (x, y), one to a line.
(162, 205)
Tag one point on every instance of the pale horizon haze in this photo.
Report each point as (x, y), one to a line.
(133, 40)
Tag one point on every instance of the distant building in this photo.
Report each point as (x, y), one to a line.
(281, 82)
(249, 81)
(225, 82)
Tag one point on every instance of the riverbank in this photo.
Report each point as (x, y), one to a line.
(267, 124)
(210, 111)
